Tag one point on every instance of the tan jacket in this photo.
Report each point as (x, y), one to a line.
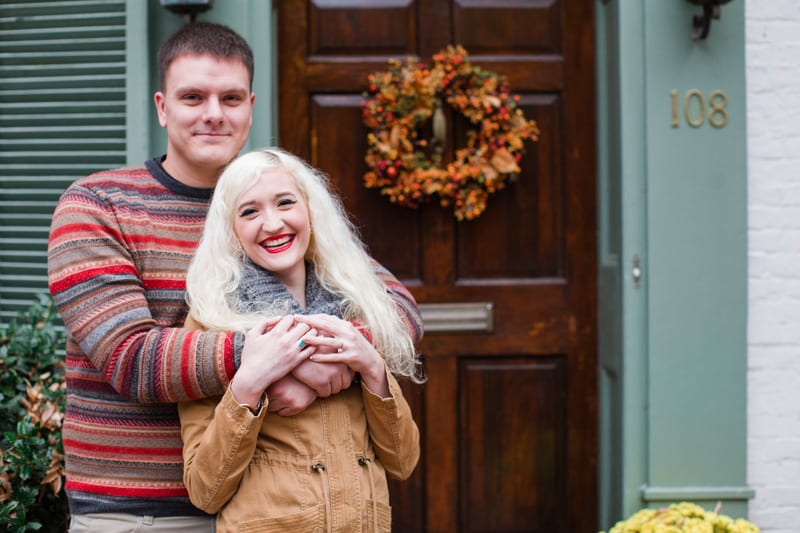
(322, 470)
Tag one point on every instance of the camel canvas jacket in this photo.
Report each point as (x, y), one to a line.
(321, 470)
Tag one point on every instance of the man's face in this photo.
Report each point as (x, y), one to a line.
(207, 108)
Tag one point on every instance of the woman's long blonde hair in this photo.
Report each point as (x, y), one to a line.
(338, 255)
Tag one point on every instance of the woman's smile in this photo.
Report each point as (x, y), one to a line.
(278, 244)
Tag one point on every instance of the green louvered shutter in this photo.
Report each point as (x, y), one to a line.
(62, 116)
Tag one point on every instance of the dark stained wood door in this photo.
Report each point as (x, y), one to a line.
(508, 414)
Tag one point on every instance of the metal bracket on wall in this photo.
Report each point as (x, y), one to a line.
(701, 24)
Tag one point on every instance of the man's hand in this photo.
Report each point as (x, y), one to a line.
(324, 378)
(288, 396)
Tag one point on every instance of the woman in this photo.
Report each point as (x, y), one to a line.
(279, 259)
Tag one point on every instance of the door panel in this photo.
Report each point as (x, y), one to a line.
(528, 27)
(512, 471)
(508, 414)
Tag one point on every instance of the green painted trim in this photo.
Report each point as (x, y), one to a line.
(263, 38)
(675, 494)
(622, 235)
(697, 249)
(137, 83)
(632, 146)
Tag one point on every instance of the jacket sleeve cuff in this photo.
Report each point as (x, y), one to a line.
(374, 400)
(242, 412)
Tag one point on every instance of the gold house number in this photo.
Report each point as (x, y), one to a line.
(696, 109)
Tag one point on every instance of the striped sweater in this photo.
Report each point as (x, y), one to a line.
(120, 244)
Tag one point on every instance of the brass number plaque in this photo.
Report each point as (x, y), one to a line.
(697, 109)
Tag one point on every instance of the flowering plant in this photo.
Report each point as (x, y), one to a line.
(682, 517)
(407, 167)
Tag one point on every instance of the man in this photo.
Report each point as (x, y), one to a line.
(120, 244)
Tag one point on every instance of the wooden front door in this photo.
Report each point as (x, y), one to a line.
(508, 414)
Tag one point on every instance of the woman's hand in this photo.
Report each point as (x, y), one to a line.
(271, 350)
(340, 342)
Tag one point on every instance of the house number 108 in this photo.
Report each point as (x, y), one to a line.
(694, 108)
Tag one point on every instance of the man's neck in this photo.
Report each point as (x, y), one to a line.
(203, 178)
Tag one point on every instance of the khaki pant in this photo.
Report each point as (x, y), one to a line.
(128, 523)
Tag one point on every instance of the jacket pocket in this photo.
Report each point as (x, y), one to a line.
(308, 521)
(384, 512)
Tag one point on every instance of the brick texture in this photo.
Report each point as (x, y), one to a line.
(773, 138)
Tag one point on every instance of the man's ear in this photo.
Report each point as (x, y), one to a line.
(160, 101)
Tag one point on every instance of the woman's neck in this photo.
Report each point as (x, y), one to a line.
(295, 283)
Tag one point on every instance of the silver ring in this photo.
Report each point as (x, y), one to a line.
(340, 348)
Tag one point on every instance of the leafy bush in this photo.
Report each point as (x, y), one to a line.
(682, 517)
(32, 398)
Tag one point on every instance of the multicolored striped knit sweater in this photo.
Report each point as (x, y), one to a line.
(120, 244)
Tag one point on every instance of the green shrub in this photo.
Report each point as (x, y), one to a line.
(32, 398)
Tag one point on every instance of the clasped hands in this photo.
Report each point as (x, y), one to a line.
(298, 358)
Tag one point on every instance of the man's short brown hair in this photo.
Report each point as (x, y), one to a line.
(204, 38)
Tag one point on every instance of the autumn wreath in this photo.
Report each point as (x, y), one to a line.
(407, 167)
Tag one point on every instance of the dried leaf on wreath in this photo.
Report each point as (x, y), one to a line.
(504, 162)
(394, 136)
(492, 100)
(489, 172)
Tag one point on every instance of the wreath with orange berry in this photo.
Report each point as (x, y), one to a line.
(407, 167)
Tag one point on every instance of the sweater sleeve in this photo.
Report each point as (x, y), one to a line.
(406, 304)
(103, 300)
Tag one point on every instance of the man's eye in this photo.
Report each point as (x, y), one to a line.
(234, 99)
(190, 97)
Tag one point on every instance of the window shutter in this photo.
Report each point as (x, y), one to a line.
(62, 116)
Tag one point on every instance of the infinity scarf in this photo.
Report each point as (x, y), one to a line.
(260, 291)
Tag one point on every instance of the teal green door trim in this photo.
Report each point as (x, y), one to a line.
(622, 235)
(711, 494)
(138, 99)
(672, 222)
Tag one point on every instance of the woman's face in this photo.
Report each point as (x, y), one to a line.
(273, 225)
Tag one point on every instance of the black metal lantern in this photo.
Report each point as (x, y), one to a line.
(701, 24)
(188, 9)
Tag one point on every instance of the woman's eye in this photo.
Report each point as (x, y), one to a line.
(247, 212)
(286, 203)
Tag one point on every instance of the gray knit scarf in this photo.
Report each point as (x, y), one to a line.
(259, 291)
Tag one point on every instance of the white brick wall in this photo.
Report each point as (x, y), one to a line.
(773, 139)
